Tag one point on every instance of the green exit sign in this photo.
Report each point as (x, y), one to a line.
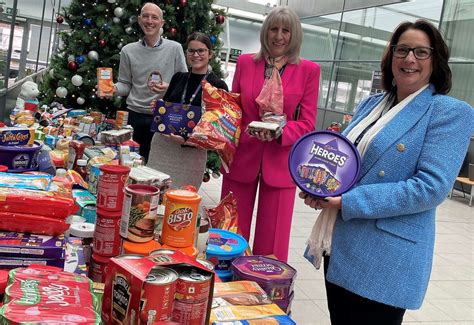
(233, 55)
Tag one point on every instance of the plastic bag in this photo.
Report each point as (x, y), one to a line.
(219, 127)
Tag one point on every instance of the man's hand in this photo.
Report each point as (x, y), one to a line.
(106, 95)
(159, 87)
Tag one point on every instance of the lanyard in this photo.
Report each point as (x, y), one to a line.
(198, 89)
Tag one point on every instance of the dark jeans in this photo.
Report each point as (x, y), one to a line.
(347, 308)
(141, 124)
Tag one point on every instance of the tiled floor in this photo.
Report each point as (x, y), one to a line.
(450, 296)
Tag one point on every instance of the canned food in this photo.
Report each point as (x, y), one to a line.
(163, 251)
(97, 267)
(112, 180)
(179, 222)
(107, 241)
(207, 264)
(189, 314)
(158, 294)
(193, 284)
(139, 211)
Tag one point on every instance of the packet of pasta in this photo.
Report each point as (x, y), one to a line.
(219, 127)
(105, 84)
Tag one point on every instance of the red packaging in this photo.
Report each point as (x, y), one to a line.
(125, 285)
(32, 223)
(158, 294)
(106, 240)
(40, 295)
(76, 151)
(190, 314)
(112, 181)
(193, 285)
(44, 203)
(97, 267)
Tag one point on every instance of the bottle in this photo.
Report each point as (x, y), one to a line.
(203, 237)
(62, 179)
(76, 151)
(81, 168)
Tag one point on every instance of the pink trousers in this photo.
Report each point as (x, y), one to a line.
(274, 214)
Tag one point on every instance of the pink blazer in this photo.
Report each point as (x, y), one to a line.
(300, 88)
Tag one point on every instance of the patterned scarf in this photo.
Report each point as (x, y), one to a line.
(270, 98)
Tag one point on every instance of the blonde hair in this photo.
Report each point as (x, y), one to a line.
(287, 17)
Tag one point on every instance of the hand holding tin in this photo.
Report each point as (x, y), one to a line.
(321, 203)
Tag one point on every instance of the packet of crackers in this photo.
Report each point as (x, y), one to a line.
(105, 83)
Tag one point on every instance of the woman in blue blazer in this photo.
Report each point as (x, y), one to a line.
(412, 140)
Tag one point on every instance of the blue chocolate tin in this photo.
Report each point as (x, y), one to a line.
(324, 163)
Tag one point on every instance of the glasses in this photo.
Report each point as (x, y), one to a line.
(200, 52)
(402, 51)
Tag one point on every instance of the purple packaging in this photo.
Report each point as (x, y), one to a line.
(20, 158)
(22, 245)
(324, 163)
(275, 277)
(14, 262)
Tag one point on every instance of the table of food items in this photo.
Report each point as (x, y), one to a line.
(89, 235)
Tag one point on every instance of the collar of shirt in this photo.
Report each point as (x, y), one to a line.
(158, 42)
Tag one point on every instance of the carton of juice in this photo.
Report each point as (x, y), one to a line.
(104, 82)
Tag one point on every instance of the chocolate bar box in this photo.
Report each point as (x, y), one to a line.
(17, 244)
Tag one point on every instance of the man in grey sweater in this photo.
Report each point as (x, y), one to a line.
(153, 58)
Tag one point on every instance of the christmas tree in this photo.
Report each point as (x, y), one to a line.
(97, 31)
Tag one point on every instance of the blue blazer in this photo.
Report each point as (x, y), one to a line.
(383, 238)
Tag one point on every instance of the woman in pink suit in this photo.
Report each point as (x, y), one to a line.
(261, 160)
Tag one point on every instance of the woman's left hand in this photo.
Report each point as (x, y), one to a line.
(264, 135)
(321, 203)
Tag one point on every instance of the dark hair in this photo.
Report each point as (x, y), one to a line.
(200, 37)
(441, 75)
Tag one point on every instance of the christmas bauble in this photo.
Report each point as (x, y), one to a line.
(93, 55)
(206, 177)
(76, 80)
(111, 1)
(119, 45)
(80, 59)
(51, 73)
(216, 175)
(220, 19)
(132, 19)
(161, 31)
(101, 43)
(172, 31)
(88, 22)
(80, 100)
(61, 92)
(71, 58)
(211, 15)
(116, 20)
(183, 3)
(72, 65)
(118, 12)
(59, 19)
(129, 30)
(213, 39)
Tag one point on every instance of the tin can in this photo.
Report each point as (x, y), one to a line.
(107, 241)
(158, 294)
(162, 251)
(191, 251)
(179, 221)
(193, 285)
(207, 264)
(189, 314)
(97, 267)
(112, 180)
(139, 212)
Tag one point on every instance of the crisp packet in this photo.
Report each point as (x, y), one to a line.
(219, 128)
(25, 181)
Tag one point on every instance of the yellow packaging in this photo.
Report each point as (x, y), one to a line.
(105, 84)
(235, 313)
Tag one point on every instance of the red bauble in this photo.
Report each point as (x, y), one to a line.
(220, 19)
(183, 3)
(59, 19)
(172, 31)
(72, 65)
(102, 43)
